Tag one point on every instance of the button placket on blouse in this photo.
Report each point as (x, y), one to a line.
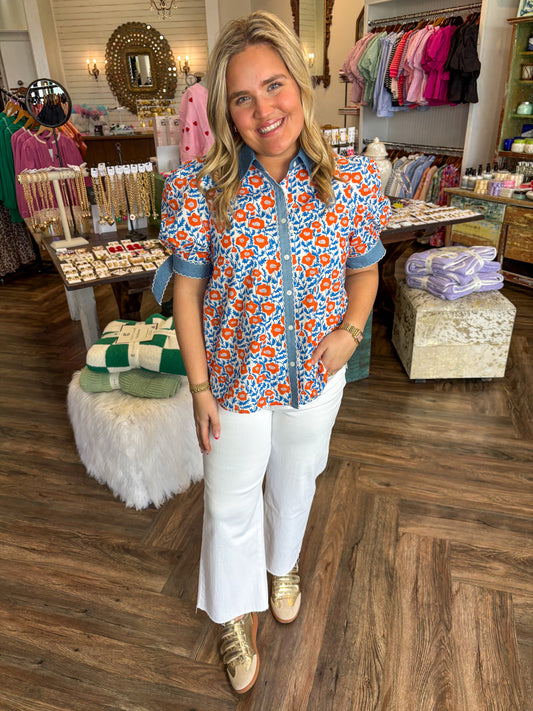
(287, 285)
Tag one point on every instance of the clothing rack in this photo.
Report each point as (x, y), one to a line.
(422, 15)
(16, 97)
(446, 150)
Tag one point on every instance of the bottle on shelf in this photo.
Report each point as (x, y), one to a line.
(472, 179)
(487, 175)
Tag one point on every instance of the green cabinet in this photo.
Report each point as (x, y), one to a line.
(519, 87)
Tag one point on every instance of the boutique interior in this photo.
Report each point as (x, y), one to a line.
(417, 566)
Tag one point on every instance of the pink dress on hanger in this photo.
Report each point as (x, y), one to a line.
(435, 56)
(419, 76)
(410, 71)
(196, 137)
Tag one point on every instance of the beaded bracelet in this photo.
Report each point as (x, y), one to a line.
(354, 332)
(200, 387)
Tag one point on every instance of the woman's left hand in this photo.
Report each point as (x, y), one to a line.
(334, 350)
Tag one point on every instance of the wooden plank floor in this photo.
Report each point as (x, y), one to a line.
(417, 565)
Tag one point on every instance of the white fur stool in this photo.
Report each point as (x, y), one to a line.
(144, 449)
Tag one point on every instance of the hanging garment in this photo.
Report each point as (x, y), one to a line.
(382, 96)
(196, 137)
(464, 65)
(415, 77)
(423, 188)
(369, 65)
(435, 56)
(16, 248)
(351, 69)
(396, 67)
(8, 127)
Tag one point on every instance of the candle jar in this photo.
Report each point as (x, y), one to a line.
(527, 72)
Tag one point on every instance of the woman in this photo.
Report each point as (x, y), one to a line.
(276, 244)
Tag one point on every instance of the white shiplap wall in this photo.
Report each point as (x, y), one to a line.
(83, 30)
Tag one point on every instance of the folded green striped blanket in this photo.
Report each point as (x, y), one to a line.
(150, 345)
(136, 382)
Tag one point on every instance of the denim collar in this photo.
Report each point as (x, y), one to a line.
(247, 157)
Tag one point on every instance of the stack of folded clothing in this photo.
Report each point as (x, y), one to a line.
(139, 358)
(452, 272)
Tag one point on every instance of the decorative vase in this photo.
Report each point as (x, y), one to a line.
(378, 152)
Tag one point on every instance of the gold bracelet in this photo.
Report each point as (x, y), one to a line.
(200, 387)
(354, 332)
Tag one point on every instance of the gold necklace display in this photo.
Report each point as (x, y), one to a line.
(144, 192)
(40, 199)
(122, 192)
(112, 183)
(30, 201)
(122, 196)
(47, 200)
(103, 200)
(83, 200)
(35, 198)
(133, 196)
(152, 195)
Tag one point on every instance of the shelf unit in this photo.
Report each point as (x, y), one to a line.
(353, 110)
(517, 89)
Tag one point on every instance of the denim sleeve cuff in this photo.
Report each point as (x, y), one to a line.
(176, 265)
(191, 269)
(373, 255)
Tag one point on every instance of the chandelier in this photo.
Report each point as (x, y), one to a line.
(163, 7)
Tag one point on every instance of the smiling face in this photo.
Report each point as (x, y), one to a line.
(264, 104)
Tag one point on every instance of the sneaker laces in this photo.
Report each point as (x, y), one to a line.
(235, 647)
(286, 586)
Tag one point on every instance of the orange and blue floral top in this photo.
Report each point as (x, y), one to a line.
(276, 277)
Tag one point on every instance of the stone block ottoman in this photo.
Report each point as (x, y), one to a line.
(144, 449)
(465, 338)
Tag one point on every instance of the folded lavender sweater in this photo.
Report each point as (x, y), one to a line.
(457, 264)
(448, 288)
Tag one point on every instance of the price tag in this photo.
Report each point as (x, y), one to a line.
(136, 334)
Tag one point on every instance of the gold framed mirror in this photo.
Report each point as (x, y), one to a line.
(312, 23)
(140, 65)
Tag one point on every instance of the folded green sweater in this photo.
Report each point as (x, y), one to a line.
(137, 382)
(117, 351)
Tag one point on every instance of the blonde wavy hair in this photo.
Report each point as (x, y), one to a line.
(221, 162)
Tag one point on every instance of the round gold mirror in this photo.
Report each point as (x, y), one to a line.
(140, 65)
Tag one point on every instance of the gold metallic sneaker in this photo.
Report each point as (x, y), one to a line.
(239, 651)
(286, 596)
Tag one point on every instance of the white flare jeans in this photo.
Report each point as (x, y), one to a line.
(247, 532)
